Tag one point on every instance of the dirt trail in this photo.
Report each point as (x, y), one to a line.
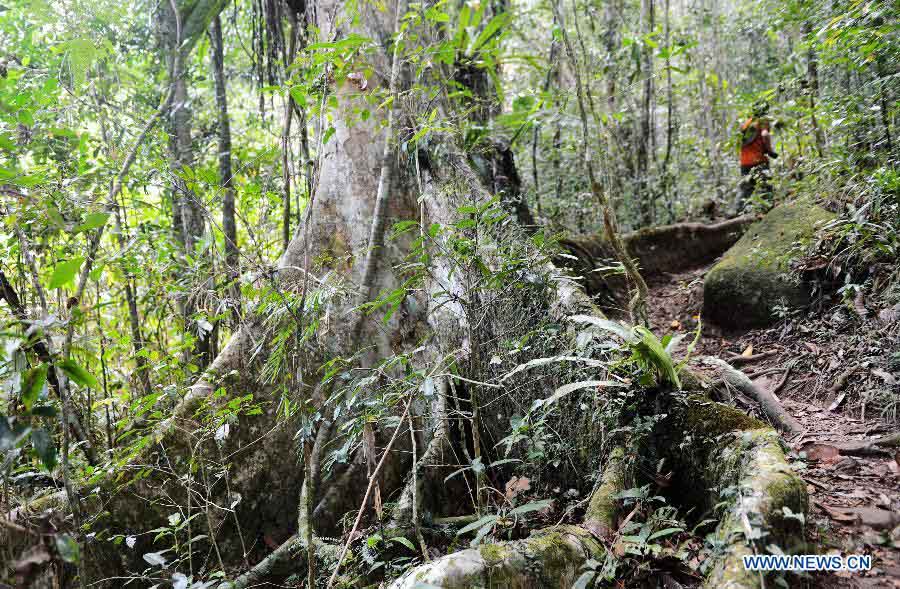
(839, 390)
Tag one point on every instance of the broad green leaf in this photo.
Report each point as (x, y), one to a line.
(67, 548)
(535, 362)
(574, 386)
(607, 325)
(33, 382)
(64, 272)
(658, 355)
(77, 373)
(529, 507)
(493, 28)
(405, 542)
(93, 221)
(486, 520)
(663, 533)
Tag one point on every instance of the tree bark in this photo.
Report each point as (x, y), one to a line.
(644, 192)
(229, 223)
(188, 214)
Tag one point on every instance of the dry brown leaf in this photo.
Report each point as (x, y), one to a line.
(859, 304)
(748, 351)
(887, 377)
(517, 485)
(675, 324)
(889, 315)
(825, 453)
(358, 79)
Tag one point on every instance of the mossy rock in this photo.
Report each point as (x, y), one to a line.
(754, 277)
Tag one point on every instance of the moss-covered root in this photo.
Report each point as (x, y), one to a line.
(601, 513)
(550, 558)
(768, 492)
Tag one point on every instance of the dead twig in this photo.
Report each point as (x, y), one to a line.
(739, 360)
(365, 501)
(839, 384)
(784, 378)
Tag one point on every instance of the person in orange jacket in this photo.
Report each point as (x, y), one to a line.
(756, 149)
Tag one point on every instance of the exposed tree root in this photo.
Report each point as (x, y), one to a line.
(740, 359)
(731, 455)
(671, 248)
(768, 490)
(875, 447)
(549, 558)
(729, 376)
(601, 517)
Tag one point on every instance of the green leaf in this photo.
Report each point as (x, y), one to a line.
(405, 542)
(490, 30)
(93, 221)
(486, 520)
(653, 348)
(663, 533)
(33, 381)
(43, 446)
(64, 272)
(529, 507)
(77, 373)
(67, 548)
(607, 325)
(574, 386)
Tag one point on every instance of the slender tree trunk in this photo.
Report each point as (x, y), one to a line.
(134, 319)
(638, 304)
(188, 213)
(812, 75)
(644, 193)
(669, 98)
(229, 223)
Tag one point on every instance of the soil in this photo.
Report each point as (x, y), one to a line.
(843, 385)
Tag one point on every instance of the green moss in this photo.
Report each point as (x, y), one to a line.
(602, 509)
(708, 418)
(493, 554)
(754, 276)
(787, 490)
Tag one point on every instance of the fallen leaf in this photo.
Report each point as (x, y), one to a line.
(748, 351)
(812, 347)
(837, 402)
(825, 453)
(887, 377)
(675, 324)
(859, 305)
(890, 315)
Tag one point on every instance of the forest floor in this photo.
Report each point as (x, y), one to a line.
(837, 377)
